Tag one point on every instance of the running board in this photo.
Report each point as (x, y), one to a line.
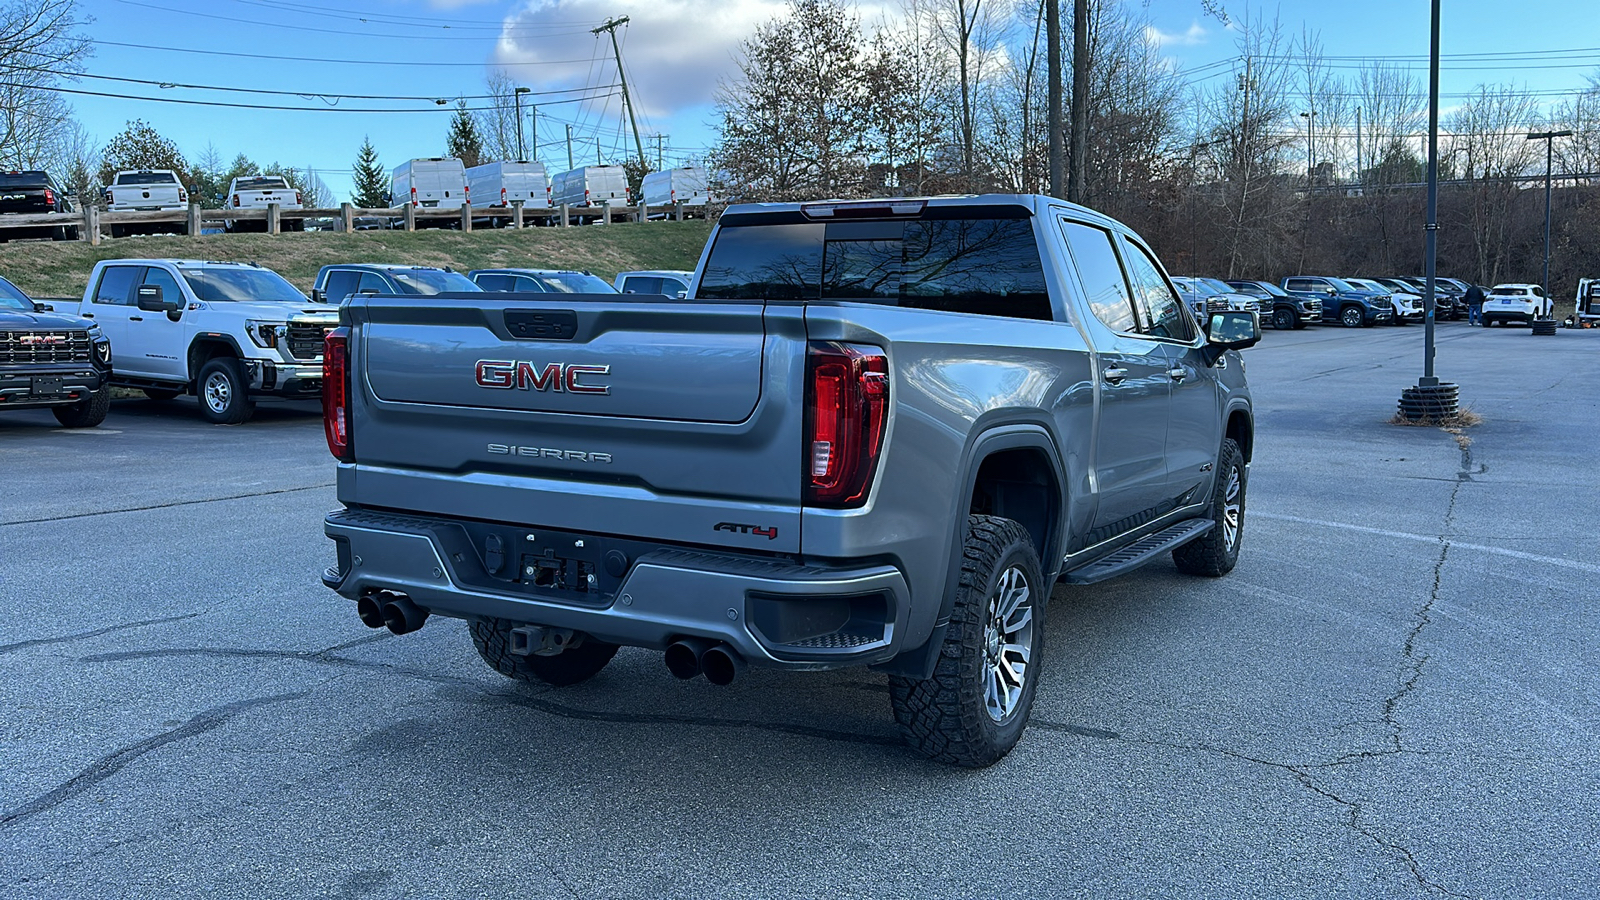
(1139, 552)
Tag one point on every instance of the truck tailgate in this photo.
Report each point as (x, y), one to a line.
(542, 411)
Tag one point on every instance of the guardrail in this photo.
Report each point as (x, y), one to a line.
(92, 221)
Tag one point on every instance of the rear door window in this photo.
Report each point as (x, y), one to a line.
(1104, 284)
(116, 285)
(641, 284)
(495, 282)
(341, 284)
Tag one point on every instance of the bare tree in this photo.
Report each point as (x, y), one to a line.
(39, 45)
(1488, 146)
(1580, 114)
(497, 122)
(971, 30)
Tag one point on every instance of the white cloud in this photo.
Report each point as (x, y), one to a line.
(1193, 36)
(675, 50)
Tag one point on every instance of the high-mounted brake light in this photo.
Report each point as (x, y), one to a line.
(876, 209)
(847, 410)
(336, 394)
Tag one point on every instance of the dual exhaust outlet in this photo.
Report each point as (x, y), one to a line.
(693, 656)
(392, 610)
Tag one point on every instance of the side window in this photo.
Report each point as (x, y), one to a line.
(169, 285)
(641, 284)
(1103, 281)
(1159, 307)
(371, 283)
(116, 285)
(341, 284)
(495, 282)
(1301, 284)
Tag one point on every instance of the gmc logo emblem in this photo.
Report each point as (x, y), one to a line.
(40, 339)
(507, 374)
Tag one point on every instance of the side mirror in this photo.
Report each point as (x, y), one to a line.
(318, 296)
(1231, 330)
(150, 299)
(681, 295)
(43, 307)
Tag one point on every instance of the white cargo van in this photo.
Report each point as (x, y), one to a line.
(498, 183)
(590, 186)
(665, 188)
(435, 183)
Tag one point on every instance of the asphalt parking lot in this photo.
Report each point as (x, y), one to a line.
(1396, 694)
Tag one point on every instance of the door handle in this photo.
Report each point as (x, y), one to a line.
(87, 315)
(1115, 375)
(136, 318)
(1178, 374)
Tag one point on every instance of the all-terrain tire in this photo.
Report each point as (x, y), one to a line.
(86, 413)
(161, 394)
(492, 637)
(1352, 317)
(224, 398)
(1216, 552)
(965, 714)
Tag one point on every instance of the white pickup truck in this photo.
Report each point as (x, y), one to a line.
(145, 190)
(259, 192)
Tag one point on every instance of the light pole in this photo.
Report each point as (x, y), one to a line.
(1431, 399)
(1311, 160)
(1549, 160)
(522, 152)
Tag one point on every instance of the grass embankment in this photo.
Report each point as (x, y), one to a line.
(45, 269)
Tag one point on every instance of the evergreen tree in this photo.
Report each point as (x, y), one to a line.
(372, 182)
(464, 142)
(141, 147)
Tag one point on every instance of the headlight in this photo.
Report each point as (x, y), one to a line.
(266, 334)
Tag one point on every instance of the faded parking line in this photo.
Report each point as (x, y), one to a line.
(1434, 539)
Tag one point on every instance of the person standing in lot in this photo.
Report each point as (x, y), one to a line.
(1474, 298)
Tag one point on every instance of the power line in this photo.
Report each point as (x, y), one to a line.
(304, 28)
(353, 62)
(396, 19)
(219, 104)
(313, 94)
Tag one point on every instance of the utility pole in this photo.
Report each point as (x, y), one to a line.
(570, 166)
(522, 150)
(1311, 159)
(1052, 43)
(1078, 150)
(660, 155)
(611, 28)
(533, 120)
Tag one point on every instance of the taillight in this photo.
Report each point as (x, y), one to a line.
(49, 197)
(847, 409)
(503, 196)
(235, 199)
(297, 199)
(413, 196)
(336, 394)
(183, 196)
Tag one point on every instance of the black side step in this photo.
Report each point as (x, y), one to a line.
(1139, 552)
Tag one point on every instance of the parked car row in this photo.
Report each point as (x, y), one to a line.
(1355, 302)
(230, 333)
(445, 183)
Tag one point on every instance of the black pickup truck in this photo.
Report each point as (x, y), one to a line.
(55, 362)
(34, 192)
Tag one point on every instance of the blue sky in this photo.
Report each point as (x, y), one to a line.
(675, 50)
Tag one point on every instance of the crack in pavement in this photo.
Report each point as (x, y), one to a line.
(116, 760)
(477, 693)
(84, 635)
(172, 505)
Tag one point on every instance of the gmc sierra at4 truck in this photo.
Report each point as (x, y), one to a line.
(876, 433)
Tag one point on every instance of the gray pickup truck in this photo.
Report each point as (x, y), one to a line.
(877, 433)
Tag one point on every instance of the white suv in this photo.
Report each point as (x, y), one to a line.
(230, 333)
(1513, 303)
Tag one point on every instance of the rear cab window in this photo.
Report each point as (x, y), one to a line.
(147, 178)
(977, 265)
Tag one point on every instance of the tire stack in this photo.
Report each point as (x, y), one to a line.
(1544, 326)
(1430, 402)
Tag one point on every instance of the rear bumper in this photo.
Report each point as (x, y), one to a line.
(774, 612)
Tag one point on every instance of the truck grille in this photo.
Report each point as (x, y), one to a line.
(23, 348)
(305, 341)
